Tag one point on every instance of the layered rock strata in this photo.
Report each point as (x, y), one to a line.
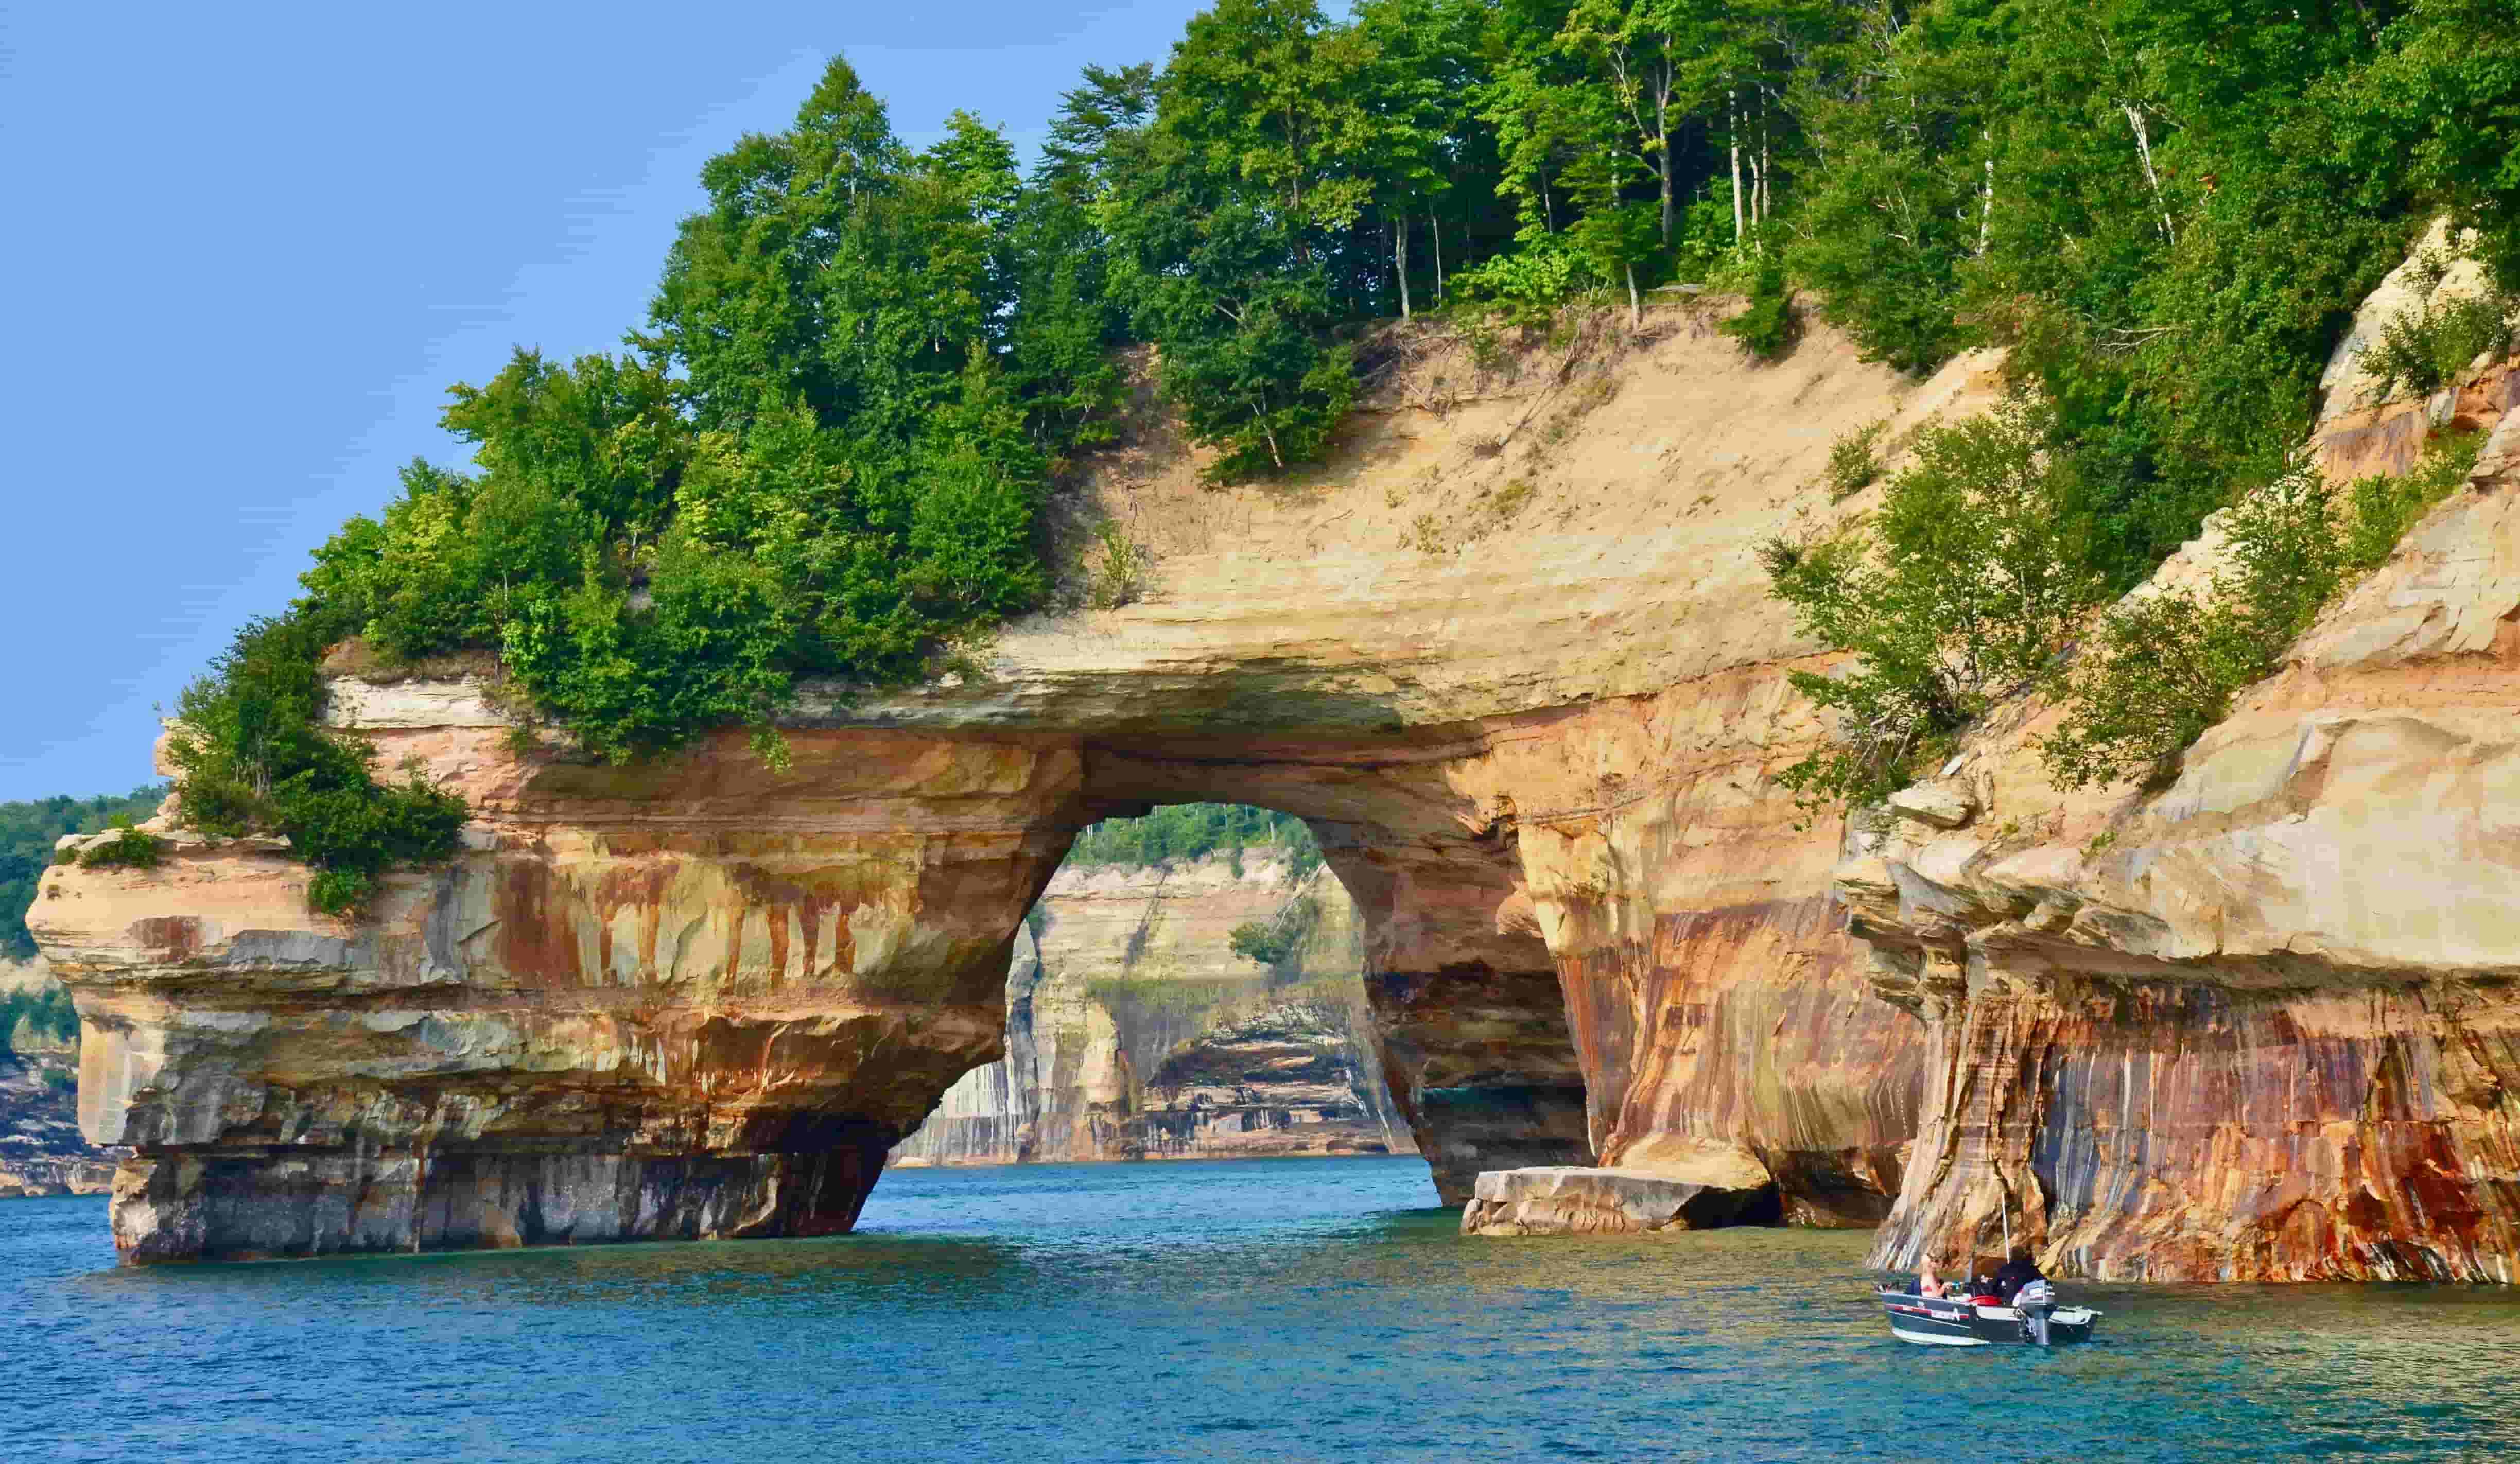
(1510, 655)
(1133, 1031)
(42, 1152)
(2260, 1023)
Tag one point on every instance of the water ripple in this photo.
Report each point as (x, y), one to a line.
(1282, 1310)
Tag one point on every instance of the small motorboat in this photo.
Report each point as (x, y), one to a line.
(1977, 1320)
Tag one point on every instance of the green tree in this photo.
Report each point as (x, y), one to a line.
(1267, 93)
(1420, 92)
(1963, 592)
(1061, 339)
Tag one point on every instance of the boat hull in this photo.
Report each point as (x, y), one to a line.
(1957, 1321)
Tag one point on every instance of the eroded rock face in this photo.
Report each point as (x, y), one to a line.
(1514, 662)
(42, 1152)
(2263, 1022)
(611, 1027)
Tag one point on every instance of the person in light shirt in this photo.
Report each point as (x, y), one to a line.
(1929, 1282)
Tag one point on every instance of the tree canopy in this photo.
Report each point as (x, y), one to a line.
(825, 450)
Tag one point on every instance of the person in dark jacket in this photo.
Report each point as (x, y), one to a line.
(2015, 1274)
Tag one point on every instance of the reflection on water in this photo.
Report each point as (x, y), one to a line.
(1278, 1310)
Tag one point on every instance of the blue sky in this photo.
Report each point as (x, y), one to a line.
(248, 246)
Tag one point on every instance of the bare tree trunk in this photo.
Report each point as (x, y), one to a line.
(1435, 220)
(1635, 302)
(1399, 261)
(1732, 125)
(1662, 160)
(1767, 169)
(2144, 151)
(1986, 194)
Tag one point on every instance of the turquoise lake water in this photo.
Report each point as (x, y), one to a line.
(1286, 1309)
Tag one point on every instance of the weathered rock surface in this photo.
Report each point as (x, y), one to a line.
(1512, 655)
(2260, 1023)
(2361, 430)
(41, 1149)
(1133, 1031)
(1573, 1201)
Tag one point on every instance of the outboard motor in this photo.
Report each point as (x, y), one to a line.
(2034, 1301)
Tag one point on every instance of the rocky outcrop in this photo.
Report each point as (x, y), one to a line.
(1510, 655)
(1133, 1031)
(1573, 1201)
(2260, 1023)
(42, 1152)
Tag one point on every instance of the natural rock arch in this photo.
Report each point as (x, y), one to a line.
(1524, 679)
(1514, 655)
(702, 997)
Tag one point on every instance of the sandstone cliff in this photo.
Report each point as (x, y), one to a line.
(1133, 1031)
(2259, 1023)
(1509, 654)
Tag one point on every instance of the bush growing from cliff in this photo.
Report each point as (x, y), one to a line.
(1960, 590)
(1274, 941)
(1259, 940)
(2426, 347)
(128, 848)
(1855, 461)
(2163, 669)
(1767, 329)
(252, 755)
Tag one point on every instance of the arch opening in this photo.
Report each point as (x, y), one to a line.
(1190, 985)
(1204, 980)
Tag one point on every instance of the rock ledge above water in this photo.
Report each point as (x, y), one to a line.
(1567, 1200)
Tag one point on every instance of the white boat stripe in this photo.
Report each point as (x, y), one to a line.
(1907, 1336)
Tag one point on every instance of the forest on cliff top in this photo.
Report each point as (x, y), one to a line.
(824, 447)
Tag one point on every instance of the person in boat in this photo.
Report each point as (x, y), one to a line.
(1930, 1281)
(2015, 1274)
